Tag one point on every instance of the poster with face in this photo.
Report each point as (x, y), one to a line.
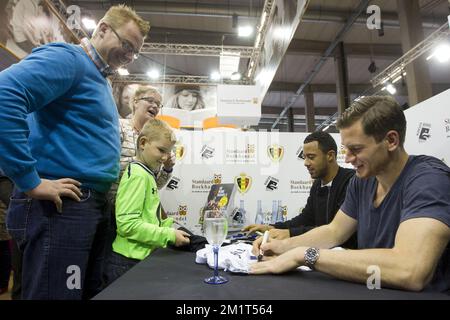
(189, 97)
(123, 94)
(27, 24)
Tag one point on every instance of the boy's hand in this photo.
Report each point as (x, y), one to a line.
(170, 162)
(181, 238)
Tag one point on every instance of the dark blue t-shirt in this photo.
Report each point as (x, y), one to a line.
(421, 190)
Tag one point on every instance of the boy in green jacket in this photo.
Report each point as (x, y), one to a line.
(140, 227)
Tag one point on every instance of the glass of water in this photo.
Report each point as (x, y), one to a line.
(215, 226)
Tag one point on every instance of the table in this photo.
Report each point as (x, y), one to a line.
(173, 275)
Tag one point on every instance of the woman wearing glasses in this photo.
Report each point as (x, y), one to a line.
(145, 104)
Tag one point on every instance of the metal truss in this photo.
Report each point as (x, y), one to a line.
(328, 122)
(196, 49)
(395, 69)
(142, 78)
(60, 10)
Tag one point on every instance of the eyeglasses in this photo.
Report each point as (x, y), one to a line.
(151, 100)
(126, 45)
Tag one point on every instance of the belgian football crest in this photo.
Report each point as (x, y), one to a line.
(243, 182)
(342, 150)
(275, 152)
(284, 212)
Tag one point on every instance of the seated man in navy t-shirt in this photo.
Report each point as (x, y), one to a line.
(398, 204)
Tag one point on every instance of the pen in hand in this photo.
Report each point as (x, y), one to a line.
(264, 240)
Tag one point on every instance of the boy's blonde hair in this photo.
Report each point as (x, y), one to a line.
(155, 129)
(121, 14)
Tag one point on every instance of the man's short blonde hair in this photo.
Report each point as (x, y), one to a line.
(120, 15)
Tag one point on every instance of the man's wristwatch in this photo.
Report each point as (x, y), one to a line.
(311, 257)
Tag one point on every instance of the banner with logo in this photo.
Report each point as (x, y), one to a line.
(267, 170)
(238, 105)
(428, 127)
(283, 21)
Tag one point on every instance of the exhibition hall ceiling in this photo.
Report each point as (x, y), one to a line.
(212, 23)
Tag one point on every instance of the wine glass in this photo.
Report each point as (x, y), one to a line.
(215, 225)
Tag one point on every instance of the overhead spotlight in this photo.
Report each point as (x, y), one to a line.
(442, 53)
(89, 23)
(391, 89)
(153, 74)
(245, 31)
(235, 76)
(215, 76)
(372, 67)
(123, 72)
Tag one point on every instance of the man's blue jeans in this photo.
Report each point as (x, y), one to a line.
(117, 265)
(63, 253)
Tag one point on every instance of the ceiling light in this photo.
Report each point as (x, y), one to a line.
(153, 74)
(442, 53)
(89, 23)
(391, 89)
(245, 31)
(215, 76)
(123, 72)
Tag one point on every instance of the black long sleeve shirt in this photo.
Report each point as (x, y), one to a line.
(322, 205)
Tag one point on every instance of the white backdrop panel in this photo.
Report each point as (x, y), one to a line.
(428, 127)
(278, 183)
